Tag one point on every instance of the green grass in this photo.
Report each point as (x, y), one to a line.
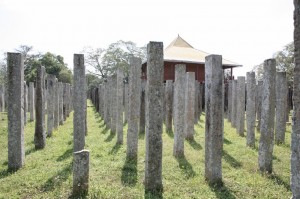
(48, 173)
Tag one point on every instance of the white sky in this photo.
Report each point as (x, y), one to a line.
(243, 31)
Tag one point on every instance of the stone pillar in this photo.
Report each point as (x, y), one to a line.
(25, 102)
(196, 111)
(15, 110)
(142, 108)
(65, 100)
(266, 142)
(81, 172)
(234, 103)
(259, 88)
(250, 110)
(229, 101)
(201, 91)
(154, 119)
(61, 102)
(126, 102)
(40, 132)
(79, 100)
(56, 105)
(50, 104)
(214, 123)
(119, 107)
(105, 102)
(134, 107)
(189, 115)
(281, 103)
(114, 105)
(240, 112)
(169, 104)
(31, 100)
(108, 101)
(2, 98)
(179, 88)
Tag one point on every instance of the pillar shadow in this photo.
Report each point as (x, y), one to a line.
(115, 149)
(227, 141)
(153, 195)
(7, 172)
(195, 144)
(102, 125)
(68, 153)
(31, 150)
(141, 135)
(104, 130)
(221, 191)
(278, 180)
(170, 133)
(57, 179)
(110, 137)
(82, 195)
(186, 167)
(129, 172)
(231, 160)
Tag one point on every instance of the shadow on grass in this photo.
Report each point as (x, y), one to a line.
(6, 172)
(231, 160)
(82, 195)
(227, 141)
(56, 180)
(110, 137)
(195, 144)
(104, 131)
(31, 150)
(170, 133)
(221, 191)
(65, 155)
(129, 172)
(278, 180)
(115, 149)
(142, 135)
(186, 167)
(153, 195)
(102, 125)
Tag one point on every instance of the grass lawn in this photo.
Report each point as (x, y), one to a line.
(48, 173)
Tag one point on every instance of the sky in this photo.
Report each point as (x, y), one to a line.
(243, 31)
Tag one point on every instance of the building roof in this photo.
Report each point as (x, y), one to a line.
(181, 51)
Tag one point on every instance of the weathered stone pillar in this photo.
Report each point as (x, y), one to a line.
(61, 102)
(119, 107)
(81, 172)
(56, 105)
(105, 102)
(281, 103)
(169, 104)
(40, 132)
(126, 103)
(108, 101)
(154, 118)
(229, 101)
(179, 88)
(25, 102)
(15, 110)
(79, 100)
(259, 88)
(234, 104)
(31, 101)
(134, 107)
(266, 142)
(250, 110)
(114, 105)
(189, 115)
(201, 92)
(142, 108)
(196, 111)
(214, 123)
(2, 98)
(240, 113)
(50, 104)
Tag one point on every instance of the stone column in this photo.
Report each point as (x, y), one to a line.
(259, 88)
(126, 102)
(2, 98)
(79, 100)
(201, 91)
(25, 102)
(31, 100)
(179, 88)
(214, 123)
(61, 102)
(65, 100)
(114, 105)
(56, 105)
(281, 103)
(119, 107)
(250, 110)
(229, 100)
(105, 101)
(154, 118)
(196, 111)
(81, 172)
(240, 113)
(266, 142)
(40, 132)
(142, 108)
(15, 110)
(234, 103)
(108, 101)
(134, 107)
(189, 115)
(50, 104)
(169, 104)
